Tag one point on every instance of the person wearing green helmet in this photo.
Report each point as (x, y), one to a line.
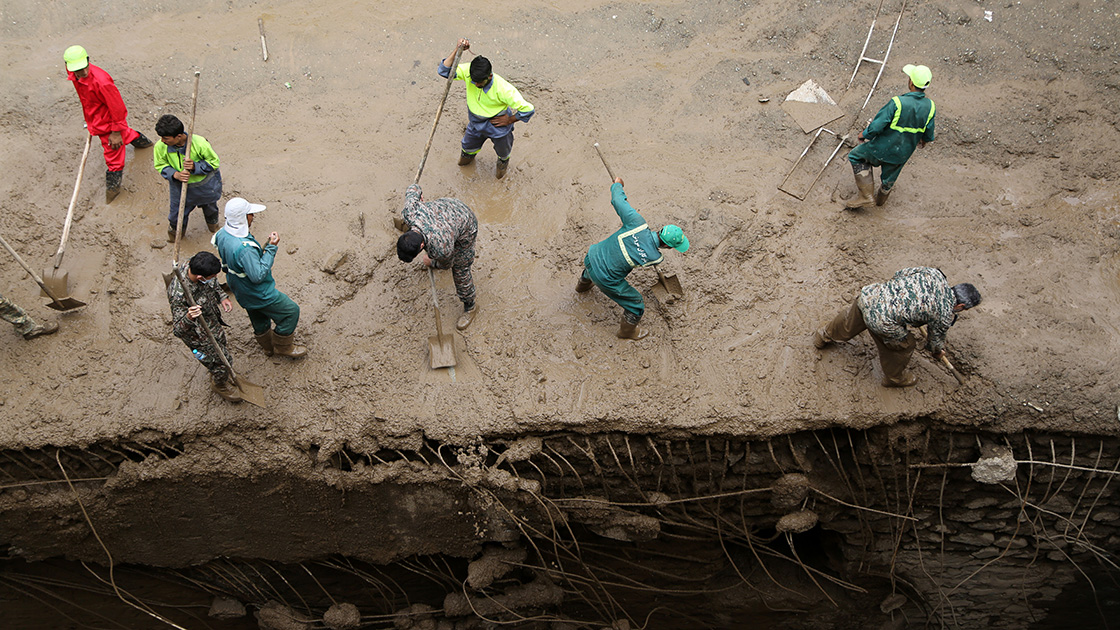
(609, 261)
(105, 114)
(903, 124)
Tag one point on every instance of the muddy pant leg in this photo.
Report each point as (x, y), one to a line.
(210, 358)
(894, 356)
(889, 174)
(15, 315)
(176, 191)
(210, 211)
(847, 324)
(461, 265)
(627, 297)
(283, 311)
(503, 146)
(861, 158)
(472, 143)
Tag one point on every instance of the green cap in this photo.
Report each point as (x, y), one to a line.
(920, 76)
(674, 237)
(75, 58)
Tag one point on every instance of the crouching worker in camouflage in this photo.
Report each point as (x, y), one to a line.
(916, 296)
(445, 231)
(210, 300)
(608, 262)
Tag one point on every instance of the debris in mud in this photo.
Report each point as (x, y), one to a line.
(495, 562)
(226, 608)
(276, 616)
(789, 491)
(996, 464)
(344, 616)
(797, 522)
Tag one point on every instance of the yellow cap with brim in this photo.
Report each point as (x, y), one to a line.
(920, 76)
(75, 58)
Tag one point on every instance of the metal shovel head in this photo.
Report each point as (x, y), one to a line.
(250, 392)
(57, 281)
(673, 285)
(65, 304)
(441, 350)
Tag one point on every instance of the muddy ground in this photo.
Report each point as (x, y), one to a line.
(1018, 195)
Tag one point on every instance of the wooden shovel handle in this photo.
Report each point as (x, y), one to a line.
(439, 112)
(202, 320)
(186, 156)
(34, 275)
(610, 172)
(73, 200)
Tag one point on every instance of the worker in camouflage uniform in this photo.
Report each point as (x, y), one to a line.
(445, 231)
(904, 123)
(25, 325)
(608, 262)
(915, 296)
(201, 273)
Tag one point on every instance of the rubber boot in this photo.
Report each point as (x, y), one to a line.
(112, 185)
(141, 142)
(465, 158)
(906, 380)
(170, 235)
(213, 227)
(285, 346)
(225, 389)
(626, 330)
(466, 318)
(500, 171)
(820, 340)
(865, 182)
(584, 285)
(40, 330)
(265, 340)
(881, 196)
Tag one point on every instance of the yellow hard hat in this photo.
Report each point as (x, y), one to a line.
(75, 58)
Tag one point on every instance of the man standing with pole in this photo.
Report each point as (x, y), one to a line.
(210, 302)
(105, 114)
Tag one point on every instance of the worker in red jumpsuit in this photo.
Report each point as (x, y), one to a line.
(105, 115)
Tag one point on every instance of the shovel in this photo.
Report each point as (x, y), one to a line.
(59, 304)
(250, 392)
(55, 279)
(953, 370)
(183, 195)
(441, 347)
(668, 289)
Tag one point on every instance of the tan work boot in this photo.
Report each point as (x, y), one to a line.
(584, 285)
(285, 346)
(40, 330)
(626, 330)
(466, 318)
(881, 196)
(906, 380)
(865, 182)
(465, 158)
(225, 389)
(500, 171)
(265, 340)
(820, 340)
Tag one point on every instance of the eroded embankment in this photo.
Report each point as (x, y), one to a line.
(893, 525)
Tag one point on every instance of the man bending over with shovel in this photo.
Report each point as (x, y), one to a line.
(210, 300)
(445, 231)
(915, 296)
(608, 262)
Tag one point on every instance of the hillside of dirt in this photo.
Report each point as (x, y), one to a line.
(1018, 195)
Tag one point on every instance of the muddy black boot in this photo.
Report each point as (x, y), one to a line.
(285, 346)
(865, 182)
(40, 330)
(465, 158)
(265, 340)
(500, 171)
(225, 389)
(112, 185)
(881, 196)
(627, 330)
(213, 227)
(584, 285)
(467, 317)
(141, 142)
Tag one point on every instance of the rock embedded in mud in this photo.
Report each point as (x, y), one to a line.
(226, 608)
(996, 464)
(415, 617)
(276, 616)
(797, 522)
(344, 616)
(789, 491)
(493, 564)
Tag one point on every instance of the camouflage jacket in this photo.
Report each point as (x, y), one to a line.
(208, 295)
(915, 296)
(442, 222)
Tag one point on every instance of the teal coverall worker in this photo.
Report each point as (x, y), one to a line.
(903, 124)
(608, 262)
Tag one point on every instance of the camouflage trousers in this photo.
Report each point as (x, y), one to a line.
(208, 355)
(18, 317)
(461, 265)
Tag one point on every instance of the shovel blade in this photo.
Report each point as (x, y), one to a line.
(673, 286)
(66, 304)
(441, 351)
(56, 281)
(250, 392)
(662, 295)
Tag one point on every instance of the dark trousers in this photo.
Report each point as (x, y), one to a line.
(893, 357)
